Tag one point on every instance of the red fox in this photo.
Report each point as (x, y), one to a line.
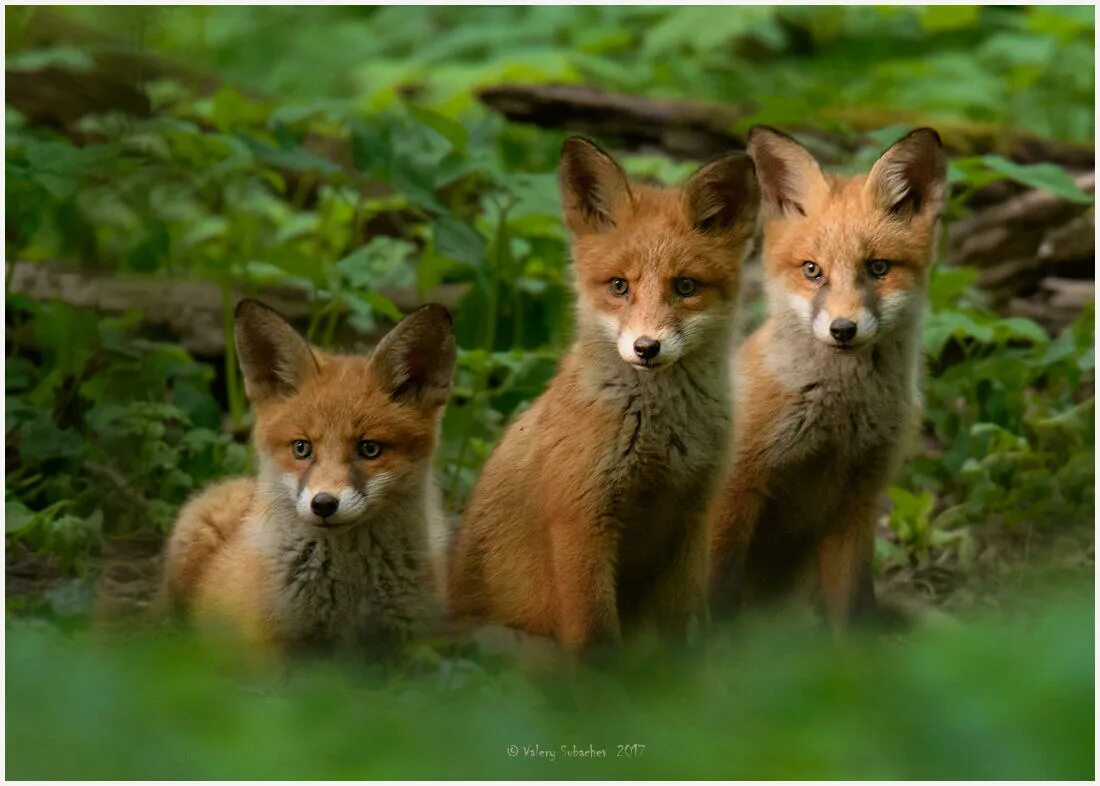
(590, 515)
(826, 390)
(339, 537)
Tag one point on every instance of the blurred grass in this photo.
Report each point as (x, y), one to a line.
(767, 699)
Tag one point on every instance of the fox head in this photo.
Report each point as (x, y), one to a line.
(340, 435)
(847, 259)
(657, 270)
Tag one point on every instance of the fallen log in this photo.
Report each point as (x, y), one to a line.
(701, 130)
(1056, 304)
(1026, 239)
(190, 311)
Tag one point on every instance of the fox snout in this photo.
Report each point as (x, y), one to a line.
(848, 328)
(333, 507)
(649, 347)
(854, 320)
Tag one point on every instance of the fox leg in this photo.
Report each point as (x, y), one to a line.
(680, 594)
(733, 524)
(584, 575)
(844, 558)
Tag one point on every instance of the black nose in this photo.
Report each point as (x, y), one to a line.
(646, 348)
(843, 329)
(324, 504)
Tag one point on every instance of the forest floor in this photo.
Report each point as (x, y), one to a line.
(119, 584)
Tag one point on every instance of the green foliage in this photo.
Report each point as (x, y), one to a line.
(973, 172)
(109, 432)
(761, 701)
(1011, 412)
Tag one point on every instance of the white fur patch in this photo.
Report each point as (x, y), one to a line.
(821, 327)
(866, 327)
(625, 345)
(608, 324)
(894, 307)
(290, 483)
(377, 485)
(799, 305)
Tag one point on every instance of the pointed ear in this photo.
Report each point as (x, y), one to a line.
(594, 189)
(415, 361)
(790, 178)
(910, 178)
(274, 358)
(723, 196)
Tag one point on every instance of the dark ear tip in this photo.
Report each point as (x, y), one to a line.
(583, 146)
(576, 139)
(736, 162)
(761, 129)
(926, 133)
(436, 312)
(575, 144)
(250, 305)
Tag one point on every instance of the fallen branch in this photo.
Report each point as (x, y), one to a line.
(1028, 238)
(189, 310)
(1056, 304)
(701, 130)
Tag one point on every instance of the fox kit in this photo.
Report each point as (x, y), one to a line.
(336, 539)
(589, 517)
(826, 388)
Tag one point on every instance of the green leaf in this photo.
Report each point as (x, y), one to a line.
(1047, 177)
(264, 271)
(17, 517)
(451, 130)
(1020, 328)
(383, 260)
(296, 226)
(296, 159)
(203, 231)
(459, 241)
(383, 305)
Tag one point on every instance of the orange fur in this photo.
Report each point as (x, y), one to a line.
(255, 554)
(589, 518)
(822, 414)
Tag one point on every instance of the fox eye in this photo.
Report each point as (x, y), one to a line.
(811, 271)
(302, 448)
(684, 287)
(878, 267)
(369, 449)
(619, 287)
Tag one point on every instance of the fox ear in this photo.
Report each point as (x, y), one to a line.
(594, 189)
(910, 178)
(274, 358)
(415, 361)
(790, 178)
(723, 196)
